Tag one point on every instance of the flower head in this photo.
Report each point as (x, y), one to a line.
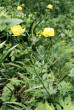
(63, 41)
(48, 32)
(22, 5)
(50, 6)
(19, 8)
(17, 30)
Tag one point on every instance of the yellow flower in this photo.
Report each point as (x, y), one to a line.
(48, 32)
(17, 30)
(19, 8)
(63, 41)
(50, 6)
(22, 5)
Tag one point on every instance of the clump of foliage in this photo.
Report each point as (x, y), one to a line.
(36, 71)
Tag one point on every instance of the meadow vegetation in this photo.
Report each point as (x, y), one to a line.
(36, 55)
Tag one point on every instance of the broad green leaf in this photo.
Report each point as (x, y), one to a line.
(40, 106)
(13, 21)
(58, 107)
(44, 106)
(71, 73)
(66, 104)
(47, 106)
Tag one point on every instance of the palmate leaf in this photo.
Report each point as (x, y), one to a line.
(7, 93)
(58, 107)
(64, 87)
(44, 106)
(66, 104)
(71, 73)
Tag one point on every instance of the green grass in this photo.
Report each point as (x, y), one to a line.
(37, 73)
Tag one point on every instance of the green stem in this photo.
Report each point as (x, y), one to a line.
(42, 83)
(41, 80)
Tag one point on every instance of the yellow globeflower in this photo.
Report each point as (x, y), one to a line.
(17, 30)
(48, 32)
(50, 6)
(22, 5)
(63, 41)
(19, 8)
